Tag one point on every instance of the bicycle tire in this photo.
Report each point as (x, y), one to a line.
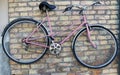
(89, 56)
(12, 45)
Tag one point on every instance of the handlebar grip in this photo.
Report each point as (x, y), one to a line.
(68, 9)
(96, 3)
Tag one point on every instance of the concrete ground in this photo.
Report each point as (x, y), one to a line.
(4, 63)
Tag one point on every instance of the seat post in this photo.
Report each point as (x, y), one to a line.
(48, 19)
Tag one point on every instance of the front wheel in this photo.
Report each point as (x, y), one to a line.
(19, 51)
(102, 55)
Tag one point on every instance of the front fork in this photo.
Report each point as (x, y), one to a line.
(89, 35)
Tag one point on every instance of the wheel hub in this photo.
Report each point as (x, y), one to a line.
(25, 44)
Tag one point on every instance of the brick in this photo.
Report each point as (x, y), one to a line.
(27, 56)
(50, 60)
(13, 4)
(66, 43)
(61, 7)
(58, 73)
(16, 67)
(65, 64)
(74, 18)
(86, 2)
(15, 46)
(63, 69)
(62, 2)
(51, 70)
(23, 9)
(83, 69)
(106, 71)
(113, 70)
(18, 56)
(96, 72)
(102, 21)
(75, 2)
(35, 9)
(32, 3)
(11, 10)
(113, 7)
(22, 4)
(103, 42)
(114, 12)
(114, 2)
(54, 19)
(101, 12)
(90, 17)
(16, 72)
(12, 62)
(65, 54)
(112, 22)
(14, 14)
(21, 0)
(40, 66)
(114, 17)
(83, 73)
(64, 18)
(67, 69)
(32, 71)
(67, 59)
(24, 14)
(14, 40)
(115, 65)
(45, 73)
(73, 69)
(14, 51)
(25, 72)
(25, 66)
(71, 73)
(112, 74)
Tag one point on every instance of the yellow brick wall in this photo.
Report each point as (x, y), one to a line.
(66, 64)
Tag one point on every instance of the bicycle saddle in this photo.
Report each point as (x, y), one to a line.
(46, 6)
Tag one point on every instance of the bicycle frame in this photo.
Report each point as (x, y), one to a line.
(84, 22)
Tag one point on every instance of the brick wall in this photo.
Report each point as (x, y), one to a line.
(66, 64)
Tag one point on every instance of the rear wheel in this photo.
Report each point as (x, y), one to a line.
(19, 51)
(102, 55)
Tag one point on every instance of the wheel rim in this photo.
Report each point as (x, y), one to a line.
(13, 42)
(90, 58)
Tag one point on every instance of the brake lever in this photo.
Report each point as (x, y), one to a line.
(97, 3)
(68, 9)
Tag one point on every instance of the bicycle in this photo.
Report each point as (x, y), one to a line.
(26, 40)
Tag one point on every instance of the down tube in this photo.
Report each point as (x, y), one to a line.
(38, 44)
(65, 39)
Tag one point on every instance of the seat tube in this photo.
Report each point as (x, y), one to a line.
(48, 18)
